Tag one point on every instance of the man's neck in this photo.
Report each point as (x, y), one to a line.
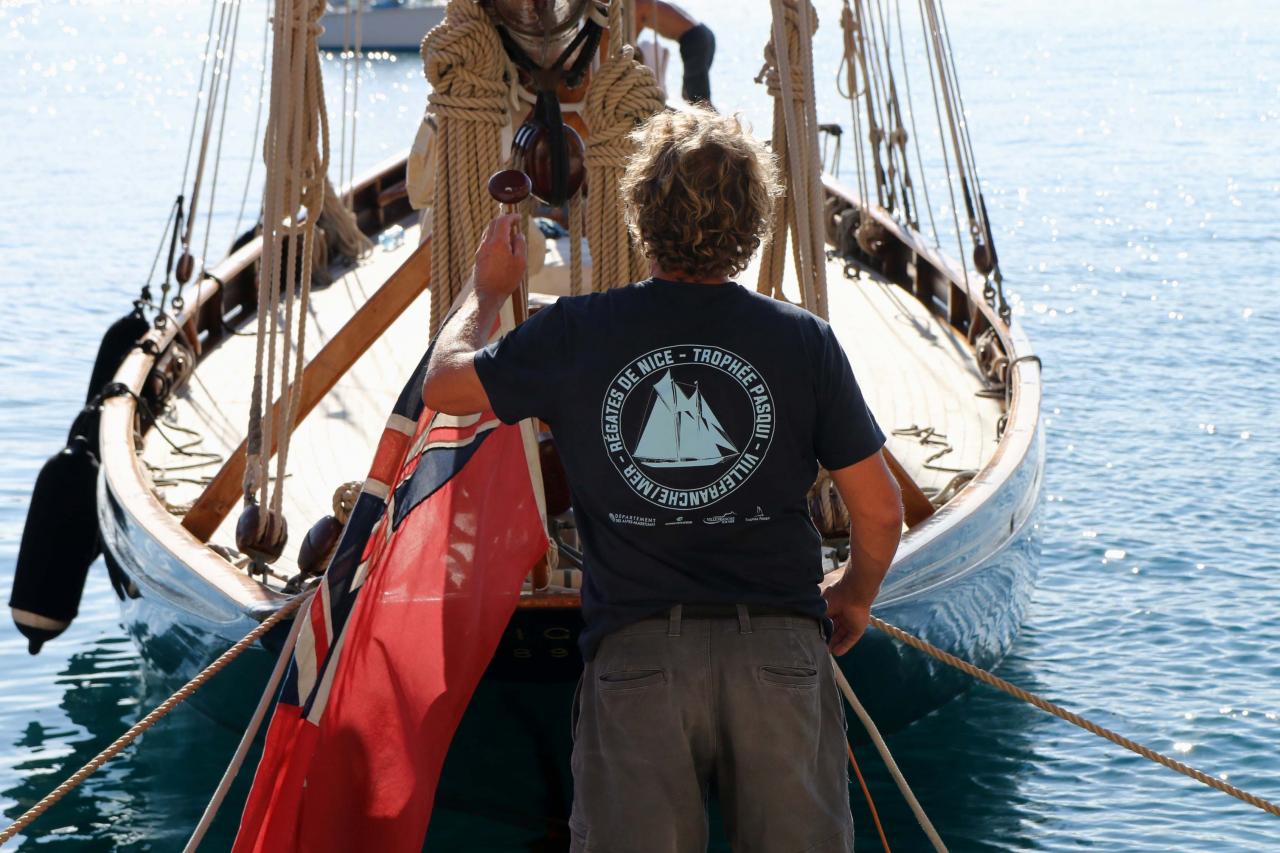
(677, 275)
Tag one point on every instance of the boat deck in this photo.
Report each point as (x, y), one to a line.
(916, 373)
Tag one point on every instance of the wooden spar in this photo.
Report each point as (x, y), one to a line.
(916, 506)
(329, 365)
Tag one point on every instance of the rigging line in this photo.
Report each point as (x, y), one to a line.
(881, 102)
(211, 107)
(942, 141)
(195, 113)
(260, 416)
(900, 131)
(915, 134)
(290, 277)
(814, 173)
(257, 124)
(868, 97)
(964, 121)
(851, 74)
(164, 237)
(951, 107)
(222, 125)
(355, 106)
(347, 12)
(884, 68)
(998, 297)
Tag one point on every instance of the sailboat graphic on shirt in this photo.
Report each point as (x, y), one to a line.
(681, 431)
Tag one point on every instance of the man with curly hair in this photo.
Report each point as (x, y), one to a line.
(692, 415)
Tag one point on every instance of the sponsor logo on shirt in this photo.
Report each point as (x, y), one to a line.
(677, 521)
(637, 520)
(759, 515)
(686, 425)
(725, 518)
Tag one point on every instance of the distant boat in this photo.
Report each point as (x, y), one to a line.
(681, 431)
(395, 25)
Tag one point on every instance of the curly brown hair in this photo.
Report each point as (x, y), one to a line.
(699, 192)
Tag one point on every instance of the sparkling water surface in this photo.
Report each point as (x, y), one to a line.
(1129, 156)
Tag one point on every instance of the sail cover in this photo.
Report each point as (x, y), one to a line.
(413, 604)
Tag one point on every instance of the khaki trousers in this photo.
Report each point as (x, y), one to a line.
(673, 708)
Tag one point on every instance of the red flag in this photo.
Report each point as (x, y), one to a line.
(409, 613)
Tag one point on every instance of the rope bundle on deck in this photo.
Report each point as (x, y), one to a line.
(623, 94)
(467, 68)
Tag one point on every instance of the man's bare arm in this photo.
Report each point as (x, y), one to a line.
(452, 385)
(667, 19)
(875, 528)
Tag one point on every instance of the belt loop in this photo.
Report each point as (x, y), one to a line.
(673, 620)
(744, 620)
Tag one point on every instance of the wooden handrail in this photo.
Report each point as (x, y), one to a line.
(333, 360)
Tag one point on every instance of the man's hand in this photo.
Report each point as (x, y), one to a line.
(452, 385)
(849, 613)
(500, 260)
(875, 526)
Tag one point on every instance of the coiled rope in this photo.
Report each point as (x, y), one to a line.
(623, 94)
(467, 68)
(788, 77)
(150, 719)
(1073, 718)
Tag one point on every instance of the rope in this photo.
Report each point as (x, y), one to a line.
(942, 140)
(297, 197)
(255, 722)
(623, 94)
(889, 763)
(466, 66)
(229, 63)
(1073, 718)
(149, 720)
(574, 208)
(257, 122)
(788, 76)
(866, 792)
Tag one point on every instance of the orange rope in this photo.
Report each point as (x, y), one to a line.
(867, 793)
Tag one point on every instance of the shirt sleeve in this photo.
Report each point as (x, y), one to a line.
(523, 371)
(845, 432)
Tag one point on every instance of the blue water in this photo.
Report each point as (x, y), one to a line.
(1129, 153)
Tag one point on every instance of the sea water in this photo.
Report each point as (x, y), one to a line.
(1129, 158)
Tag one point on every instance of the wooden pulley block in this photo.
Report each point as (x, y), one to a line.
(183, 269)
(983, 258)
(872, 236)
(827, 508)
(555, 485)
(533, 146)
(267, 546)
(318, 546)
(509, 186)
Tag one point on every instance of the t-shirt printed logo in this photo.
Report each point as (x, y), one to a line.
(687, 425)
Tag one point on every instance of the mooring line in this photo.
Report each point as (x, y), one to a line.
(887, 757)
(150, 719)
(1074, 718)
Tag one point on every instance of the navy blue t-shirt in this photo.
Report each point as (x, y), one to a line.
(691, 420)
